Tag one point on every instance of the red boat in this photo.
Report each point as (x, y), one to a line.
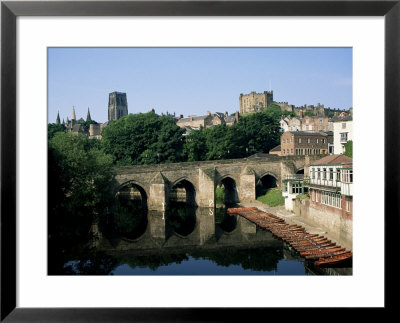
(334, 259)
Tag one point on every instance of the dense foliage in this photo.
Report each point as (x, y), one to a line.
(143, 138)
(53, 128)
(79, 175)
(348, 147)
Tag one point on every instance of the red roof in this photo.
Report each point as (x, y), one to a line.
(333, 160)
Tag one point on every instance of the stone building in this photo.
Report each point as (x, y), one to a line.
(285, 106)
(255, 102)
(117, 105)
(275, 151)
(304, 143)
(316, 124)
(207, 121)
(196, 121)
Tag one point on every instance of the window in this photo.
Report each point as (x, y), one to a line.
(343, 137)
(308, 140)
(299, 140)
(324, 173)
(284, 151)
(347, 204)
(331, 174)
(343, 125)
(313, 195)
(318, 173)
(347, 176)
(317, 140)
(320, 120)
(316, 196)
(307, 121)
(297, 188)
(291, 150)
(331, 199)
(313, 173)
(338, 175)
(323, 141)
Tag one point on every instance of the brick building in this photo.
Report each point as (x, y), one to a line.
(331, 193)
(304, 143)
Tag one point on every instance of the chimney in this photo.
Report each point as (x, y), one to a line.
(208, 113)
(237, 116)
(226, 113)
(180, 116)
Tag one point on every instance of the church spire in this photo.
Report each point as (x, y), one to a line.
(88, 118)
(73, 114)
(58, 118)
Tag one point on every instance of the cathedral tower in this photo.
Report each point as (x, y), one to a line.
(58, 118)
(117, 106)
(88, 117)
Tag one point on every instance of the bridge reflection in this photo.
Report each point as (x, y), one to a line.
(184, 227)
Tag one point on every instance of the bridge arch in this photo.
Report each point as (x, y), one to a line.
(230, 189)
(137, 187)
(265, 182)
(183, 190)
(129, 211)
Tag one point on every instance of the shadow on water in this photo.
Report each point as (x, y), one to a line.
(127, 220)
(180, 219)
(224, 222)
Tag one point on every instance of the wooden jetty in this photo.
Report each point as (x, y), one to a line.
(310, 246)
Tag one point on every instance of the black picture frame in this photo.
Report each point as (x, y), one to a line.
(10, 10)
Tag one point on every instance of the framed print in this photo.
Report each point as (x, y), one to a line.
(57, 53)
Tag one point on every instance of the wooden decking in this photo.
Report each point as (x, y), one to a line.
(312, 247)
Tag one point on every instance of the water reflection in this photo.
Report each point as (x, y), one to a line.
(184, 241)
(180, 219)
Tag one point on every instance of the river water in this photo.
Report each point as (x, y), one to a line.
(183, 241)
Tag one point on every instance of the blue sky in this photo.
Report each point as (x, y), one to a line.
(193, 80)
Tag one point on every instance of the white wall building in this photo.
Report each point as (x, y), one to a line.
(342, 133)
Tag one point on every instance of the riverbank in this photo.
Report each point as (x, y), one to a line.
(291, 218)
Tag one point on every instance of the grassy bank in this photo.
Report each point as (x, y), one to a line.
(272, 198)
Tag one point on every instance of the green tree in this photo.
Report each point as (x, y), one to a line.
(79, 178)
(348, 149)
(195, 148)
(53, 128)
(143, 138)
(309, 114)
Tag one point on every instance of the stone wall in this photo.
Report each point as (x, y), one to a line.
(339, 228)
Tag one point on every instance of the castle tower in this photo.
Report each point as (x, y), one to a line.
(58, 118)
(255, 102)
(73, 117)
(117, 105)
(88, 118)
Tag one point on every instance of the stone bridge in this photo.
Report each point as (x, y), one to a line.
(157, 184)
